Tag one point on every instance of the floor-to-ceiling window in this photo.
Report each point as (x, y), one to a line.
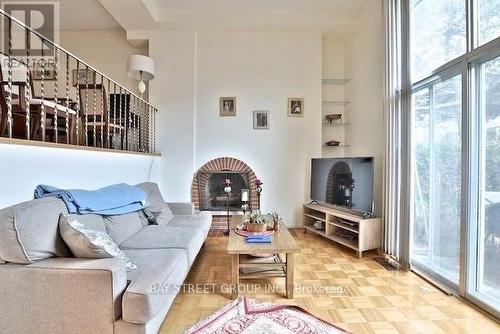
(436, 145)
(486, 282)
(453, 71)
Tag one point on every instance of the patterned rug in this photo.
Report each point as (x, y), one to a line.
(248, 316)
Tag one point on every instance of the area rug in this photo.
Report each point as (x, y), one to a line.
(248, 316)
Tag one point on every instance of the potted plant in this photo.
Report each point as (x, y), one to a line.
(256, 223)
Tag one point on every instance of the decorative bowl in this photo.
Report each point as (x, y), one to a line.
(332, 143)
(251, 227)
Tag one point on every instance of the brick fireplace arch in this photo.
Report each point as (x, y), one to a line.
(201, 177)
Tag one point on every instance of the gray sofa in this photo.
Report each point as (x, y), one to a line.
(44, 289)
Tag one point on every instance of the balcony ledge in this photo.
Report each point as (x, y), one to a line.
(36, 143)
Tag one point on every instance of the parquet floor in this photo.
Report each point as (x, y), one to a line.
(357, 295)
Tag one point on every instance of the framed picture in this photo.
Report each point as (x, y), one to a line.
(49, 74)
(227, 106)
(261, 119)
(295, 107)
(84, 76)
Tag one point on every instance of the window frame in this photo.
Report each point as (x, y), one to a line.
(478, 175)
(429, 83)
(466, 64)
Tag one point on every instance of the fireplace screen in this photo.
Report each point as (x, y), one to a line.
(212, 193)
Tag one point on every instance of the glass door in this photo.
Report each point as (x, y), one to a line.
(487, 258)
(450, 57)
(436, 182)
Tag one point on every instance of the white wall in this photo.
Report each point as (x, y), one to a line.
(364, 67)
(262, 70)
(24, 167)
(173, 92)
(106, 50)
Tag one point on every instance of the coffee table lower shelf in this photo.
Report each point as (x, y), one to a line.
(262, 267)
(244, 267)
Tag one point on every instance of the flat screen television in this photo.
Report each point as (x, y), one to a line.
(345, 182)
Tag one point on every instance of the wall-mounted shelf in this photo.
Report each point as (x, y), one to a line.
(333, 125)
(337, 82)
(340, 103)
(336, 146)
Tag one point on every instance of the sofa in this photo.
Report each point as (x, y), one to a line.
(45, 289)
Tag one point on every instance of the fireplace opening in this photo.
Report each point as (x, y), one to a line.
(212, 175)
(214, 196)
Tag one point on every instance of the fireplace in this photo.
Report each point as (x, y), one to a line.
(207, 188)
(214, 198)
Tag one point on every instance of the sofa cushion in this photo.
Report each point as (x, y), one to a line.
(29, 231)
(202, 221)
(122, 227)
(155, 283)
(157, 204)
(88, 243)
(189, 239)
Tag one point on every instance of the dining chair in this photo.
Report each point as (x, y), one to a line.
(102, 125)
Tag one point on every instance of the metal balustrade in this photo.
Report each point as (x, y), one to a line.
(53, 96)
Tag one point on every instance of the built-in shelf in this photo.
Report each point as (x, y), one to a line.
(339, 103)
(334, 103)
(337, 82)
(336, 124)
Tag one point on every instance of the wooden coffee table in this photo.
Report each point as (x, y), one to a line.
(239, 249)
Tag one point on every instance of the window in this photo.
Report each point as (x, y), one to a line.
(489, 20)
(438, 34)
(436, 142)
(488, 264)
(454, 208)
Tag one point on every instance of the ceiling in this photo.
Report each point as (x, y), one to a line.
(343, 6)
(235, 15)
(209, 15)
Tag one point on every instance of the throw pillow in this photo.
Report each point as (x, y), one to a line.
(87, 243)
(122, 227)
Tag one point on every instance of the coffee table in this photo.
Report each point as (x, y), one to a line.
(239, 249)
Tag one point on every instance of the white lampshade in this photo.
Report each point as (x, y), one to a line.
(138, 63)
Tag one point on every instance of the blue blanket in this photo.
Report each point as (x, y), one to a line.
(116, 199)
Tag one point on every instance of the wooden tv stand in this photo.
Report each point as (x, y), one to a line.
(364, 233)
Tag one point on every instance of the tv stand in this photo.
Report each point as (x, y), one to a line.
(346, 228)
